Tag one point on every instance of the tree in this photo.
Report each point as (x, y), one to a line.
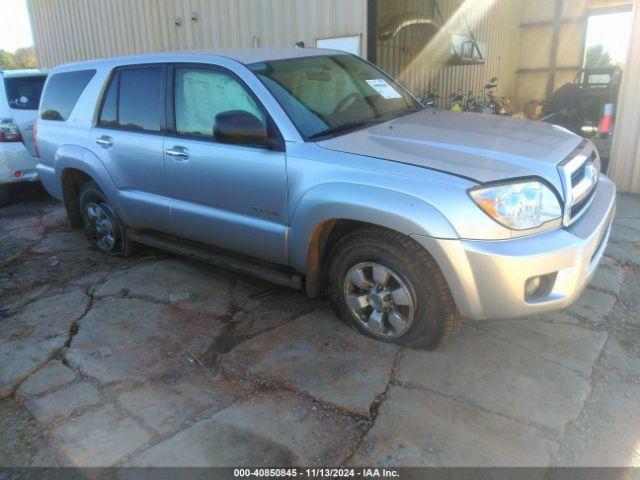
(6, 60)
(25, 58)
(597, 57)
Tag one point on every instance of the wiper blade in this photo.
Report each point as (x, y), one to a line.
(345, 128)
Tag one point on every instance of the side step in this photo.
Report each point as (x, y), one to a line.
(265, 271)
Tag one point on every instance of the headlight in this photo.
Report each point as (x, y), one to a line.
(519, 206)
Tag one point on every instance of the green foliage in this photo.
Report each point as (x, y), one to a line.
(6, 60)
(597, 57)
(21, 58)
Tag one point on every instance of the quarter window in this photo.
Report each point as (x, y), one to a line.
(200, 95)
(62, 93)
(133, 100)
(109, 113)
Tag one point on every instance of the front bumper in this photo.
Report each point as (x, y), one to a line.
(14, 157)
(487, 278)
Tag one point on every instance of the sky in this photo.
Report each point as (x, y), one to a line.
(612, 31)
(15, 30)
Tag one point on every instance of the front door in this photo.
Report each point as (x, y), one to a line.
(128, 140)
(230, 195)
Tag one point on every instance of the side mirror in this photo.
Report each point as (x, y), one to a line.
(240, 128)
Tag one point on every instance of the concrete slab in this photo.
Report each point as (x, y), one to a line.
(624, 252)
(130, 339)
(188, 285)
(55, 218)
(23, 442)
(99, 438)
(628, 206)
(63, 403)
(17, 242)
(167, 403)
(53, 375)
(55, 242)
(321, 356)
(33, 335)
(275, 429)
(593, 305)
(502, 369)
(608, 279)
(270, 311)
(623, 233)
(415, 428)
(606, 434)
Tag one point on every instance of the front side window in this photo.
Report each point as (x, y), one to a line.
(133, 100)
(201, 95)
(23, 93)
(332, 94)
(62, 93)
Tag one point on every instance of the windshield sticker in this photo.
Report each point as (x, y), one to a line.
(385, 90)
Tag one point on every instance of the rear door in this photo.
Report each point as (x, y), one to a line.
(128, 138)
(23, 96)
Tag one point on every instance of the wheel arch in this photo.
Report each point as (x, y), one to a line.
(78, 165)
(328, 212)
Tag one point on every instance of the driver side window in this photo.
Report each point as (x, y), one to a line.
(201, 95)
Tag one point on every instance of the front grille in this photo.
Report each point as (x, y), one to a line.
(578, 207)
(579, 174)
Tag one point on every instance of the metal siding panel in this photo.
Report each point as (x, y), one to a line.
(493, 24)
(65, 31)
(624, 168)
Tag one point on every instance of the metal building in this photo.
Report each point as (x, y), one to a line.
(531, 46)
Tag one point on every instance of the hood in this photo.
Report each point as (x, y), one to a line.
(481, 147)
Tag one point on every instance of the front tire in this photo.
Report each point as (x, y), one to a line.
(103, 228)
(391, 289)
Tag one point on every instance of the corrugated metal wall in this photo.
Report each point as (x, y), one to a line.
(71, 30)
(624, 164)
(494, 22)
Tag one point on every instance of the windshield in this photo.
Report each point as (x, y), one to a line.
(332, 94)
(23, 93)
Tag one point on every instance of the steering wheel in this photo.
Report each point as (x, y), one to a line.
(344, 101)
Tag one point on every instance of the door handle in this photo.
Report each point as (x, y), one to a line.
(104, 141)
(180, 153)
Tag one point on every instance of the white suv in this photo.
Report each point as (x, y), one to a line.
(19, 98)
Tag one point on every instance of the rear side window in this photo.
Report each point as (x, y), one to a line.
(133, 100)
(62, 92)
(23, 93)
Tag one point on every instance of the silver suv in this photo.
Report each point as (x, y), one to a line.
(316, 170)
(19, 98)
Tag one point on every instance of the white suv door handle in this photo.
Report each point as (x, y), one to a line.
(104, 141)
(180, 153)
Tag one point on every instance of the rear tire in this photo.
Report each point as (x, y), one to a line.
(5, 195)
(103, 228)
(391, 289)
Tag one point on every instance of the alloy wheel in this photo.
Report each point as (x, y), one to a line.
(379, 299)
(101, 226)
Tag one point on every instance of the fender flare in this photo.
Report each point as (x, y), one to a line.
(82, 159)
(386, 208)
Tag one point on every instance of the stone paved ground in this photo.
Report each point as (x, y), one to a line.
(157, 360)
